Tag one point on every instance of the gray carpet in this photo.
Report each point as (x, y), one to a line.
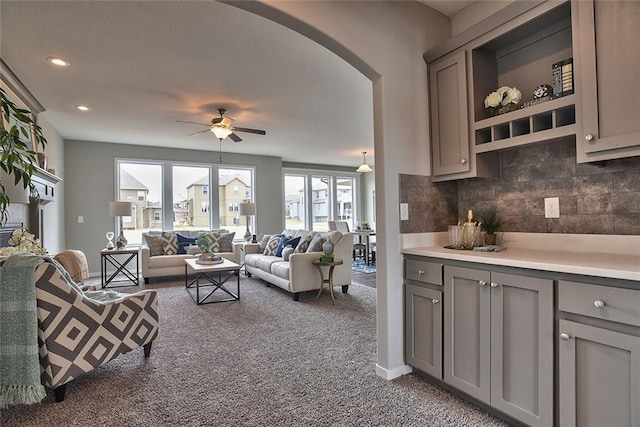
(262, 361)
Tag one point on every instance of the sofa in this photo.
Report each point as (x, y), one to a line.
(295, 273)
(162, 256)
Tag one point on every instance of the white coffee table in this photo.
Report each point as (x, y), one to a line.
(207, 273)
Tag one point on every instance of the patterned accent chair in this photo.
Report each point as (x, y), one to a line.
(77, 334)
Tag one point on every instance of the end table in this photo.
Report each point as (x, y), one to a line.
(329, 279)
(109, 255)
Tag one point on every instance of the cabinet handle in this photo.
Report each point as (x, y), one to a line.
(588, 137)
(463, 161)
(494, 285)
(599, 304)
(482, 283)
(565, 337)
(435, 301)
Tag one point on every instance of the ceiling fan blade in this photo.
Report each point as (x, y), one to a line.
(234, 137)
(216, 120)
(256, 131)
(196, 133)
(193, 123)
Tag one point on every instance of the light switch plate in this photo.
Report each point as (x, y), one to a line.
(80, 219)
(552, 207)
(404, 211)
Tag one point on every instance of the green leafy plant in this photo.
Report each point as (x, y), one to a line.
(204, 243)
(364, 225)
(491, 221)
(17, 160)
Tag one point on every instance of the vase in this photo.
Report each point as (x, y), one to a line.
(327, 248)
(490, 239)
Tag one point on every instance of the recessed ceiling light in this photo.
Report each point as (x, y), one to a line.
(58, 61)
(82, 107)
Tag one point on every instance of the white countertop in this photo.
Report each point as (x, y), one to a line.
(608, 265)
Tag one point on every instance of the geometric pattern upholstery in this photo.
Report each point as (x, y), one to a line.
(169, 243)
(272, 245)
(221, 242)
(77, 334)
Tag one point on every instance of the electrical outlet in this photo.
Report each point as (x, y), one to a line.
(552, 207)
(80, 219)
(404, 211)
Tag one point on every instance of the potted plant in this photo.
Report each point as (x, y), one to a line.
(365, 225)
(491, 223)
(17, 160)
(204, 243)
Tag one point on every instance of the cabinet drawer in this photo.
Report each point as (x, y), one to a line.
(423, 271)
(604, 302)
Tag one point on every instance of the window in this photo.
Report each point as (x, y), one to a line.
(236, 221)
(313, 199)
(167, 195)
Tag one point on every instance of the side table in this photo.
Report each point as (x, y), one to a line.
(111, 256)
(329, 279)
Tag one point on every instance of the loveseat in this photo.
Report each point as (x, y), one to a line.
(164, 256)
(295, 273)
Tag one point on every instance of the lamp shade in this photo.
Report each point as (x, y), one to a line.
(364, 167)
(119, 209)
(247, 208)
(221, 131)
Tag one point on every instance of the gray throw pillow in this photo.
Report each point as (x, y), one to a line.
(264, 239)
(316, 243)
(304, 243)
(221, 242)
(286, 253)
(154, 242)
(272, 246)
(169, 243)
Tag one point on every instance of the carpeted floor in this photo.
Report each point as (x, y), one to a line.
(262, 361)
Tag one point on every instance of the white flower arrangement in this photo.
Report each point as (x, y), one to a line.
(503, 100)
(22, 241)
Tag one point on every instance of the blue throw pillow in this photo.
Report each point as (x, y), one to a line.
(286, 241)
(184, 241)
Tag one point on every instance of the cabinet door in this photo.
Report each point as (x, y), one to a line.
(522, 347)
(423, 329)
(607, 34)
(467, 333)
(449, 116)
(599, 375)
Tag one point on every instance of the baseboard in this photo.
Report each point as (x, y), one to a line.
(389, 374)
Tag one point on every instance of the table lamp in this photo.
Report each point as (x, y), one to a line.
(248, 209)
(120, 209)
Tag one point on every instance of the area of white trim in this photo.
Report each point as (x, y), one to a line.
(389, 374)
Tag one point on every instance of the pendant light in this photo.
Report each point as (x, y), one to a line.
(364, 167)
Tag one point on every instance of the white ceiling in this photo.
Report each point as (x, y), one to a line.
(142, 65)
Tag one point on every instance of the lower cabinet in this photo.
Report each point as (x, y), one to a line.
(498, 341)
(599, 372)
(423, 329)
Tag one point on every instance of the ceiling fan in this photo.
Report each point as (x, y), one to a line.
(221, 127)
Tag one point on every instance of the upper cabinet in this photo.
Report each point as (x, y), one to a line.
(607, 61)
(448, 83)
(521, 46)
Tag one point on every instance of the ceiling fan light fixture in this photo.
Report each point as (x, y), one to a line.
(221, 132)
(364, 167)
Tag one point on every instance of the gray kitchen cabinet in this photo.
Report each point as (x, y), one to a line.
(599, 376)
(498, 341)
(423, 329)
(606, 34)
(449, 117)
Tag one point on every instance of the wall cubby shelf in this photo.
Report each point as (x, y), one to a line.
(548, 120)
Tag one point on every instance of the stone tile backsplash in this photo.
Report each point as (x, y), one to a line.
(595, 198)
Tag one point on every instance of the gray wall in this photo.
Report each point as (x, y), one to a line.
(595, 198)
(89, 186)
